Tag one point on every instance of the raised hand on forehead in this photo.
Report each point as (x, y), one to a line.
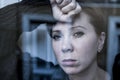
(63, 10)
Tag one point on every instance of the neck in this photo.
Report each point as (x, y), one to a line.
(90, 73)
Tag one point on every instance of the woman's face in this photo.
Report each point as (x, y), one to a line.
(75, 45)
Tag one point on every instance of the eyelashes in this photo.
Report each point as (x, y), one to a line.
(57, 36)
(78, 34)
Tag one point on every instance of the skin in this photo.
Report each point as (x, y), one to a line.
(75, 46)
(63, 10)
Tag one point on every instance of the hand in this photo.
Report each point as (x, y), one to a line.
(63, 10)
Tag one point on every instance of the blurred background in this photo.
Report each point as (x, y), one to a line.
(25, 46)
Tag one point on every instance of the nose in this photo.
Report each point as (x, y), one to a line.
(67, 46)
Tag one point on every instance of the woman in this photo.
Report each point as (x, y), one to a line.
(77, 42)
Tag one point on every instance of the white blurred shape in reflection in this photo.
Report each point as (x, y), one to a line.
(38, 44)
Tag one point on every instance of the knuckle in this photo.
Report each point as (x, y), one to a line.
(64, 10)
(72, 5)
(78, 8)
(65, 3)
(68, 1)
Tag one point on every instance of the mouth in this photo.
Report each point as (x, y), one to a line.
(69, 62)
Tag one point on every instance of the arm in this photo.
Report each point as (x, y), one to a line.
(63, 10)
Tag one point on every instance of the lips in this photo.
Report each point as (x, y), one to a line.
(69, 62)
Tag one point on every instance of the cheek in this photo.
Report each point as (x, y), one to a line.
(57, 49)
(86, 48)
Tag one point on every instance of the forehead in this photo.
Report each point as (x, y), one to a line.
(79, 20)
(62, 25)
(82, 19)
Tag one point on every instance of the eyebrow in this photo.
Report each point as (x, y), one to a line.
(79, 27)
(55, 31)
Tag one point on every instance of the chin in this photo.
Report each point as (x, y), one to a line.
(71, 71)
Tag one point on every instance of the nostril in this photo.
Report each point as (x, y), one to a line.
(67, 50)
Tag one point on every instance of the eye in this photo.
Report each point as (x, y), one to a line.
(56, 37)
(78, 34)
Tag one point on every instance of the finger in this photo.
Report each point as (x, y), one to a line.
(64, 3)
(56, 12)
(65, 18)
(75, 11)
(59, 1)
(69, 7)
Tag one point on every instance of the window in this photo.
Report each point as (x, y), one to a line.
(113, 41)
(39, 62)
